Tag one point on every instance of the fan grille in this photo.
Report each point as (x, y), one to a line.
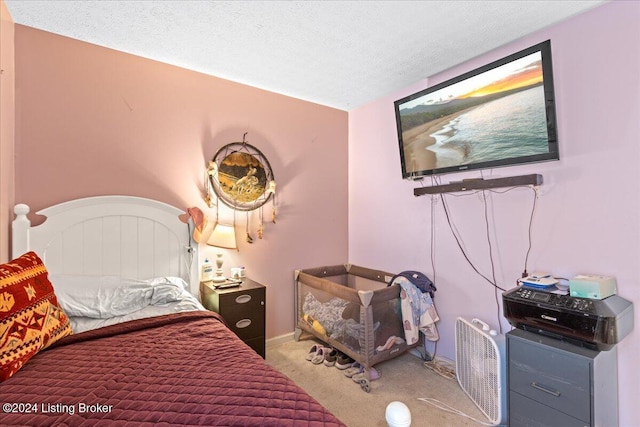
(478, 368)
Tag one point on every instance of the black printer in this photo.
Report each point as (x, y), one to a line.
(595, 324)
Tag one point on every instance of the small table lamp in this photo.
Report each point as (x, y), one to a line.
(222, 236)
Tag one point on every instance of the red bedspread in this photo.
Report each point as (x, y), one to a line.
(180, 369)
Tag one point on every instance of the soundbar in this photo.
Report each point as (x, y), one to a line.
(480, 184)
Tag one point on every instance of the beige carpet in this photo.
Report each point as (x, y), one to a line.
(404, 378)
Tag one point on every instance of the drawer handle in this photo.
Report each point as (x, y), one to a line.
(242, 299)
(545, 389)
(243, 323)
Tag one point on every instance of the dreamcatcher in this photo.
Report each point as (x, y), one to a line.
(241, 177)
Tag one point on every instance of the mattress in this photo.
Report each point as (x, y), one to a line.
(179, 369)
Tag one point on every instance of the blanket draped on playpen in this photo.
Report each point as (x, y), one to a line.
(418, 312)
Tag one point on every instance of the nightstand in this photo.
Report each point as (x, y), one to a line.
(242, 307)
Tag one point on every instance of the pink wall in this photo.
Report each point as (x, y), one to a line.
(7, 128)
(587, 216)
(94, 121)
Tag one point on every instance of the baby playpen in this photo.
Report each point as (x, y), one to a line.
(353, 310)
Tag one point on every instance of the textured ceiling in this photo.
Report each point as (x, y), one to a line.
(341, 54)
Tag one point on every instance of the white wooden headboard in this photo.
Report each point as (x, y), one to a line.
(110, 235)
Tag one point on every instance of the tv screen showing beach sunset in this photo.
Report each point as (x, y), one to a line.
(486, 118)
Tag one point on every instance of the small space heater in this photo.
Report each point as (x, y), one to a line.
(481, 366)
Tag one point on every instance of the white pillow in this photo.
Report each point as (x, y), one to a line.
(102, 297)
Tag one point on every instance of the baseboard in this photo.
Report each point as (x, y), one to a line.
(279, 340)
(445, 361)
(438, 359)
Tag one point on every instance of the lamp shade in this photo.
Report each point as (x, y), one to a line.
(223, 236)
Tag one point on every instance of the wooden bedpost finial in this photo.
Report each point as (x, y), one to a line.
(21, 209)
(20, 230)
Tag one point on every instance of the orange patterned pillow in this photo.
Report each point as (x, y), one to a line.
(30, 318)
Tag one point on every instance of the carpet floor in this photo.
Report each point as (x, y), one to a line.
(404, 379)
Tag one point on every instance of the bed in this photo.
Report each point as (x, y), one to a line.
(115, 360)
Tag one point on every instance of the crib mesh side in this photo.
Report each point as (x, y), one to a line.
(330, 308)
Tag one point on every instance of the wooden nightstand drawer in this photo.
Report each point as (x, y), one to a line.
(247, 322)
(242, 307)
(241, 299)
(258, 345)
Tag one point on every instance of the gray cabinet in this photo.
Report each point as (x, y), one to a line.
(553, 383)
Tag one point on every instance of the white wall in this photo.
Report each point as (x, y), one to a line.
(588, 210)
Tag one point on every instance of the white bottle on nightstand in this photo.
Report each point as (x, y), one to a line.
(207, 271)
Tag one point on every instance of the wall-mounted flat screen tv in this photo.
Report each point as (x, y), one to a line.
(500, 114)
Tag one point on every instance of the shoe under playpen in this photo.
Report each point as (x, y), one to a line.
(353, 310)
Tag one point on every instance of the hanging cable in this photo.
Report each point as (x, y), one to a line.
(433, 238)
(530, 229)
(448, 408)
(464, 253)
(434, 201)
(493, 268)
(533, 210)
(188, 259)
